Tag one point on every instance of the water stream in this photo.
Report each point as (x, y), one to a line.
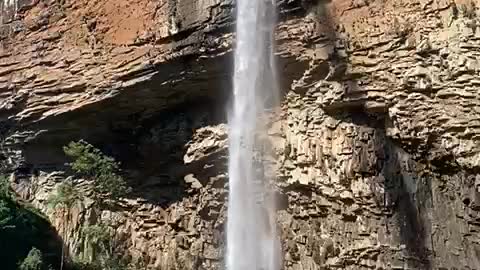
(252, 241)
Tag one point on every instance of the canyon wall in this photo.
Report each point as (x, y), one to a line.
(376, 146)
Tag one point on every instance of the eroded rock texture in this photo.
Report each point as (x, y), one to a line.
(376, 146)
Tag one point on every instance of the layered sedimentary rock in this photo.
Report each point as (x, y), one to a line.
(376, 146)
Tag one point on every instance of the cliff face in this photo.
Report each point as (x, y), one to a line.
(376, 145)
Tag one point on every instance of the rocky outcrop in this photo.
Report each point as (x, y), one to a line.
(376, 145)
(358, 200)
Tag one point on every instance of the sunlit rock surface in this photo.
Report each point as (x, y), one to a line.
(376, 145)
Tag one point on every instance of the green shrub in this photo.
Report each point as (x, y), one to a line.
(112, 263)
(91, 163)
(24, 233)
(4, 187)
(98, 233)
(88, 160)
(85, 265)
(106, 255)
(65, 196)
(5, 209)
(33, 261)
(21, 228)
(5, 215)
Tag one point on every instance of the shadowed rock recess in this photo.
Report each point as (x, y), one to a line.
(376, 147)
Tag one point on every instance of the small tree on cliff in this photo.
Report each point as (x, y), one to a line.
(104, 255)
(103, 246)
(104, 171)
(33, 261)
(64, 198)
(107, 184)
(5, 215)
(4, 187)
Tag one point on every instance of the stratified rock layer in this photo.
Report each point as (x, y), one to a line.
(376, 147)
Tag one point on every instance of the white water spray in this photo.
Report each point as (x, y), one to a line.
(252, 241)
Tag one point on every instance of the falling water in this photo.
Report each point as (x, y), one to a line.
(252, 242)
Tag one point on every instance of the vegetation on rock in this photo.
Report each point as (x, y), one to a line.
(64, 198)
(100, 238)
(27, 240)
(33, 261)
(107, 185)
(104, 171)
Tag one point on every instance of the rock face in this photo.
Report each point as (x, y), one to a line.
(376, 145)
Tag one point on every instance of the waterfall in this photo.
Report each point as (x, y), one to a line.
(252, 240)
